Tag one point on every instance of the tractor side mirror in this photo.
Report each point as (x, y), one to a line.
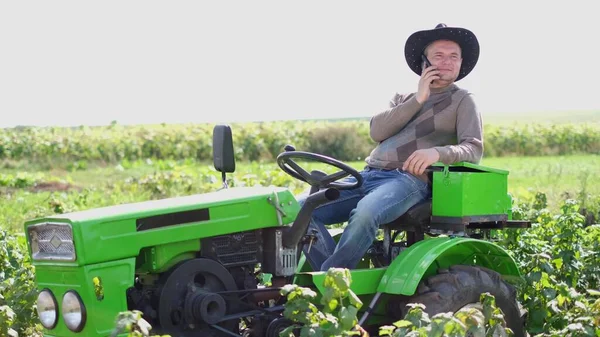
(223, 156)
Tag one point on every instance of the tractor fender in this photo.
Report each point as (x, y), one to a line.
(425, 257)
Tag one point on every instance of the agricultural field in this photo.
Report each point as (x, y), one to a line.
(262, 142)
(30, 193)
(553, 178)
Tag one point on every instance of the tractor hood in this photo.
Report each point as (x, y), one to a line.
(116, 232)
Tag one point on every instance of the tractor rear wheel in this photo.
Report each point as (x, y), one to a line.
(454, 288)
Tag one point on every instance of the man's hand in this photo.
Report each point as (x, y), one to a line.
(419, 160)
(427, 76)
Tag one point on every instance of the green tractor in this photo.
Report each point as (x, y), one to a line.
(193, 265)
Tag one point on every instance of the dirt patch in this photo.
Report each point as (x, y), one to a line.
(53, 186)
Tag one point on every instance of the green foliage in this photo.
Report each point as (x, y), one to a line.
(542, 139)
(165, 183)
(484, 320)
(337, 314)
(185, 180)
(17, 288)
(263, 141)
(339, 307)
(132, 323)
(344, 142)
(560, 260)
(19, 180)
(7, 319)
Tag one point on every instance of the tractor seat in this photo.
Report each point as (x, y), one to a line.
(418, 216)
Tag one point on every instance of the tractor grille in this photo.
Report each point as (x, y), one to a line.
(278, 260)
(235, 249)
(288, 262)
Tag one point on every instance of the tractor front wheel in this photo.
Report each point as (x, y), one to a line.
(459, 286)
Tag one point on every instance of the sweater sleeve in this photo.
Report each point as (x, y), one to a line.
(389, 122)
(469, 132)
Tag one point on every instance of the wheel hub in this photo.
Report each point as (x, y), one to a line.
(204, 307)
(277, 326)
(189, 302)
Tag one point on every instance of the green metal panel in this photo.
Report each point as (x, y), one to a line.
(424, 258)
(303, 265)
(116, 277)
(160, 258)
(477, 167)
(364, 281)
(480, 191)
(110, 233)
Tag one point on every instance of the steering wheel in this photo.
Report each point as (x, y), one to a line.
(318, 179)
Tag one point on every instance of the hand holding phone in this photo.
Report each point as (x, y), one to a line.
(425, 61)
(426, 79)
(426, 64)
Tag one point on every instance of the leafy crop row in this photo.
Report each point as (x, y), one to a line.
(345, 140)
(17, 288)
(560, 259)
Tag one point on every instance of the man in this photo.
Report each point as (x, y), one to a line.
(437, 123)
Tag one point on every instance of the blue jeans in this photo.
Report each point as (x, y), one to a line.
(384, 196)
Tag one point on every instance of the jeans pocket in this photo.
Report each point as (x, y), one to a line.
(417, 183)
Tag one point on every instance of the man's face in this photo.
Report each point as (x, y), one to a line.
(446, 56)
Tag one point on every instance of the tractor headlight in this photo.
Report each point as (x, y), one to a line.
(52, 241)
(46, 309)
(73, 311)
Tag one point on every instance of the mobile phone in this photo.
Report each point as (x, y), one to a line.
(425, 60)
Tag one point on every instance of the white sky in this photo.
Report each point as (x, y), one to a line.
(84, 62)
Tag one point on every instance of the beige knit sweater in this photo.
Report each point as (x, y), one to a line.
(448, 122)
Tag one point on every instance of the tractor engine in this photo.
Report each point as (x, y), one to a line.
(221, 281)
(247, 249)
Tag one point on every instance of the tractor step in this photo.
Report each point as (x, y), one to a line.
(501, 225)
(462, 224)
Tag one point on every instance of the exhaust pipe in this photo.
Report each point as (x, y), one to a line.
(294, 234)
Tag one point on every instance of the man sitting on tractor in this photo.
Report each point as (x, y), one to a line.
(437, 123)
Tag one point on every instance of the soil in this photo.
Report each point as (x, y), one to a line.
(53, 186)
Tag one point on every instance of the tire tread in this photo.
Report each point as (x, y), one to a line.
(463, 284)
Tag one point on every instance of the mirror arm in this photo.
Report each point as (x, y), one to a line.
(224, 178)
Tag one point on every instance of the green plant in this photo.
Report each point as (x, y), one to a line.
(344, 142)
(339, 307)
(19, 180)
(559, 258)
(75, 148)
(7, 319)
(489, 321)
(132, 323)
(17, 288)
(166, 183)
